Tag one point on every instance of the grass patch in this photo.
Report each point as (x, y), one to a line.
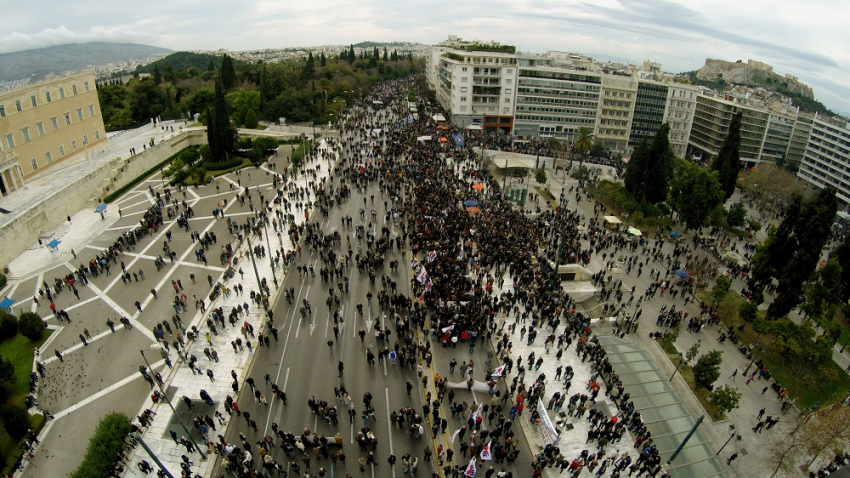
(687, 373)
(245, 163)
(19, 350)
(811, 385)
(11, 450)
(545, 194)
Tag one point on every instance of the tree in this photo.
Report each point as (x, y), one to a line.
(583, 142)
(748, 311)
(351, 55)
(322, 60)
(693, 351)
(725, 398)
(842, 254)
(31, 326)
(156, 76)
(636, 178)
(811, 233)
(540, 176)
(737, 215)
(7, 377)
(707, 369)
(598, 149)
(660, 165)
(728, 160)
(15, 420)
(227, 73)
(221, 135)
(8, 325)
(251, 120)
(827, 429)
(694, 192)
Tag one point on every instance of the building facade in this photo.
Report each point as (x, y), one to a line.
(616, 108)
(826, 162)
(650, 108)
(712, 117)
(799, 139)
(49, 122)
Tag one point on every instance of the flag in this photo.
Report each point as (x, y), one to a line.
(472, 290)
(423, 274)
(477, 412)
(499, 371)
(415, 263)
(429, 285)
(485, 452)
(432, 256)
(460, 256)
(470, 469)
(446, 329)
(454, 436)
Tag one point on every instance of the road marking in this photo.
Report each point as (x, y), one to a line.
(389, 424)
(105, 391)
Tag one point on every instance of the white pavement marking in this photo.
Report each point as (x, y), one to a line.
(80, 345)
(71, 307)
(105, 391)
(389, 425)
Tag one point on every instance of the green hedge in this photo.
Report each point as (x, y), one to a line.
(232, 162)
(2, 281)
(123, 189)
(298, 154)
(102, 454)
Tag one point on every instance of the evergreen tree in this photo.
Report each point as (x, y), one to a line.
(695, 192)
(309, 66)
(221, 135)
(266, 89)
(386, 56)
(376, 54)
(251, 120)
(635, 177)
(842, 254)
(728, 160)
(810, 234)
(660, 166)
(227, 74)
(351, 55)
(211, 66)
(322, 61)
(156, 76)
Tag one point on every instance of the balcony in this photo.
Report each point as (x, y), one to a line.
(487, 90)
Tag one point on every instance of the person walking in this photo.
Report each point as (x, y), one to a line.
(732, 458)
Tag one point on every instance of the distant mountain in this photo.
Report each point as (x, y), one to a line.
(38, 63)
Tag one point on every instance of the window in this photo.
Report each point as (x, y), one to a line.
(67, 119)
(62, 92)
(33, 101)
(96, 134)
(74, 88)
(47, 96)
(73, 145)
(10, 141)
(54, 123)
(463, 98)
(91, 111)
(61, 150)
(25, 132)
(463, 69)
(464, 89)
(18, 106)
(80, 114)
(2, 111)
(47, 158)
(85, 139)
(34, 164)
(86, 86)
(40, 127)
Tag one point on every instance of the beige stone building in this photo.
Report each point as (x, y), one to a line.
(46, 123)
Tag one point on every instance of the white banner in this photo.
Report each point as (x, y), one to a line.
(547, 428)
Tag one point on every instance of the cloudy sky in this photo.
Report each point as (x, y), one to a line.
(808, 39)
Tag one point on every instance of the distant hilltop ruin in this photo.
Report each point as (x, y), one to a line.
(752, 73)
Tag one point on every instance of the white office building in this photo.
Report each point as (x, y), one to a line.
(826, 161)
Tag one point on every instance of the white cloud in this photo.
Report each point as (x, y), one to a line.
(17, 41)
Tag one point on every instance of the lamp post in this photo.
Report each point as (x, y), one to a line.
(165, 397)
(755, 355)
(687, 437)
(154, 457)
(681, 361)
(731, 435)
(845, 344)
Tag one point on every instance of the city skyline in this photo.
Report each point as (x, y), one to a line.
(678, 34)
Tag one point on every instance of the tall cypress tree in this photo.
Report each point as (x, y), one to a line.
(221, 135)
(227, 74)
(351, 55)
(660, 166)
(728, 160)
(635, 177)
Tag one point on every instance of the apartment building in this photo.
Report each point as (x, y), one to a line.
(799, 139)
(679, 114)
(475, 84)
(712, 117)
(46, 123)
(554, 96)
(616, 110)
(650, 108)
(826, 161)
(777, 138)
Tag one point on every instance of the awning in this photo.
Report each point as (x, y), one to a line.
(474, 127)
(423, 138)
(6, 303)
(683, 274)
(470, 203)
(100, 207)
(635, 232)
(54, 243)
(613, 220)
(438, 117)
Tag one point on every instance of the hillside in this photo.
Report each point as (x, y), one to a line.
(55, 59)
(183, 60)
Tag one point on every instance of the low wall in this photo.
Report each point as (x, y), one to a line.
(18, 234)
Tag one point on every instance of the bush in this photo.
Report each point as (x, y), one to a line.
(8, 325)
(2, 281)
(15, 420)
(725, 398)
(540, 176)
(230, 163)
(188, 155)
(104, 446)
(707, 369)
(31, 325)
(251, 120)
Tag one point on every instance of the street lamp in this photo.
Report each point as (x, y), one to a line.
(256, 274)
(681, 361)
(165, 397)
(755, 355)
(731, 435)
